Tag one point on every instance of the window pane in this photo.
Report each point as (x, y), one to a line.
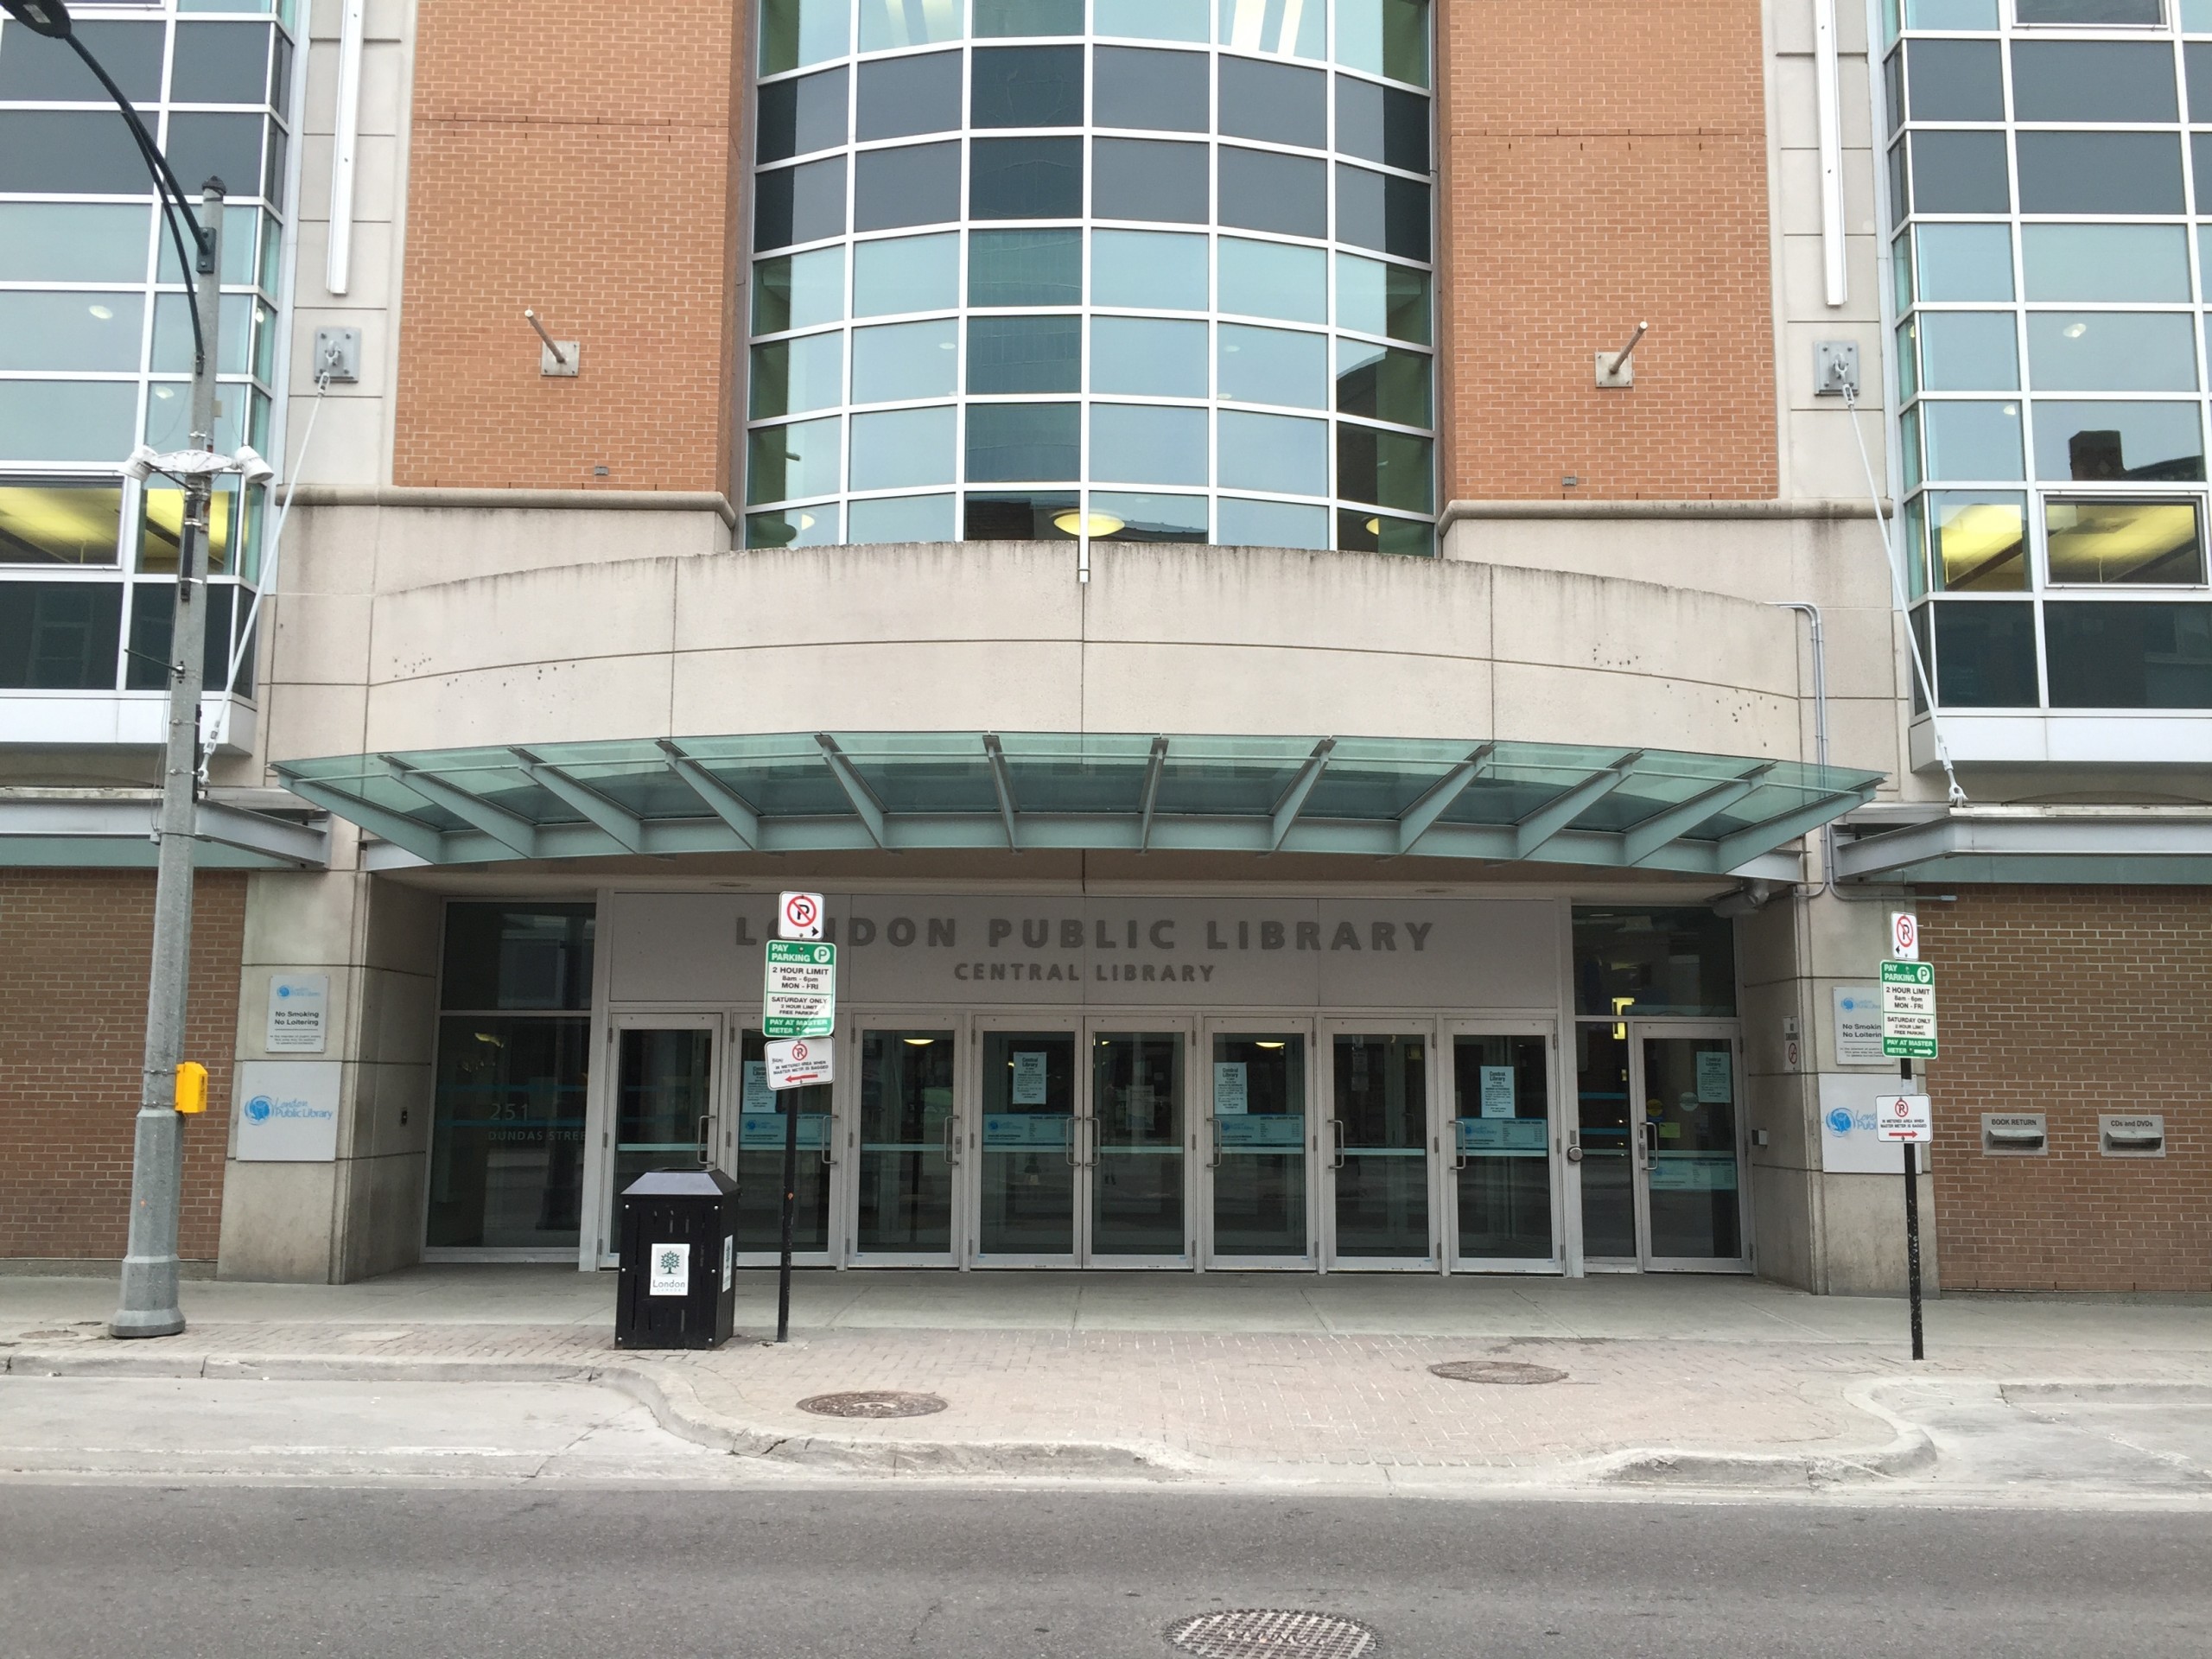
(1985, 654)
(1023, 516)
(37, 70)
(1960, 172)
(1146, 178)
(72, 242)
(2196, 63)
(2106, 441)
(2091, 80)
(61, 521)
(1970, 441)
(1375, 210)
(1359, 531)
(1133, 87)
(795, 33)
(914, 184)
(161, 525)
(60, 636)
(1271, 523)
(1965, 262)
(1382, 384)
(814, 526)
(1391, 469)
(1278, 27)
(239, 225)
(1278, 453)
(173, 334)
(1380, 124)
(1151, 20)
(169, 410)
(902, 518)
(2111, 543)
(791, 376)
(797, 116)
(906, 360)
(1274, 365)
(2099, 173)
(59, 330)
(2107, 656)
(1384, 37)
(1133, 444)
(70, 152)
(1640, 961)
(1027, 87)
(1275, 103)
(1148, 517)
(1954, 80)
(901, 447)
(1003, 17)
(2105, 261)
(2143, 12)
(2112, 351)
(909, 273)
(67, 420)
(1966, 351)
(799, 204)
(1025, 354)
(800, 460)
(1022, 441)
(904, 96)
(1157, 271)
(1025, 178)
(1378, 299)
(1979, 541)
(1025, 267)
(225, 147)
(1267, 279)
(1263, 191)
(886, 25)
(1151, 357)
(800, 290)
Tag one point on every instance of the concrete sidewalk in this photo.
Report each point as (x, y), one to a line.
(1674, 1381)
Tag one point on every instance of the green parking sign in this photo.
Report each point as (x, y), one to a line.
(798, 993)
(1909, 1010)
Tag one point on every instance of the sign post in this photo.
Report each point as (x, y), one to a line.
(799, 1002)
(1908, 1034)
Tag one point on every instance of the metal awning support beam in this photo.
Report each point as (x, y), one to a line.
(1750, 841)
(865, 805)
(1417, 819)
(496, 821)
(426, 843)
(1002, 781)
(623, 826)
(1155, 764)
(723, 802)
(1548, 821)
(1294, 799)
(1640, 841)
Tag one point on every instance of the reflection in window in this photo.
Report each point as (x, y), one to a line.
(1654, 961)
(799, 291)
(886, 25)
(1025, 178)
(1985, 655)
(1026, 86)
(791, 376)
(814, 526)
(2123, 655)
(1979, 540)
(60, 636)
(2124, 542)
(798, 117)
(2111, 351)
(1025, 268)
(795, 33)
(1011, 441)
(1382, 384)
(1126, 517)
(802, 459)
(2099, 441)
(60, 521)
(1276, 28)
(1016, 354)
(1973, 441)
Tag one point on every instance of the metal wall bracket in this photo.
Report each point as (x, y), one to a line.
(337, 356)
(1835, 368)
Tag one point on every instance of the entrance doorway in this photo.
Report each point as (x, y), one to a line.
(906, 1145)
(1256, 1201)
(1376, 1162)
(665, 1112)
(1661, 1142)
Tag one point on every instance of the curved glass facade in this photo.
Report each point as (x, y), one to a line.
(1160, 268)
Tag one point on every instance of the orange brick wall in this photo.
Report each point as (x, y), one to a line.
(580, 160)
(1604, 163)
(74, 949)
(2073, 1002)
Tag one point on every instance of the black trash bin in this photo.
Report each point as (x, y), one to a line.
(679, 1232)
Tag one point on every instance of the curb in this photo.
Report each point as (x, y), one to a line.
(1910, 1451)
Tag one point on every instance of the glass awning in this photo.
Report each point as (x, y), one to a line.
(842, 791)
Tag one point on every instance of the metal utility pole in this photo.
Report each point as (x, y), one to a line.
(149, 1306)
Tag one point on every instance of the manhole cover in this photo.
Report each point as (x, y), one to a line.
(1266, 1632)
(1496, 1370)
(873, 1402)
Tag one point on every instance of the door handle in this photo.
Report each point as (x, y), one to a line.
(1574, 1146)
(1071, 1148)
(951, 1141)
(1651, 1139)
(1458, 1147)
(829, 1143)
(1337, 1137)
(1213, 1143)
(706, 1141)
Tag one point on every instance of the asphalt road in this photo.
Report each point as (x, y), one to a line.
(854, 1572)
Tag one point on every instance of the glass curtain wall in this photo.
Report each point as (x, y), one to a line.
(96, 334)
(2051, 182)
(1159, 269)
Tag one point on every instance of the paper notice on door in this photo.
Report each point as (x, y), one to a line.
(1716, 1078)
(1497, 1091)
(1029, 1088)
(757, 1096)
(1230, 1097)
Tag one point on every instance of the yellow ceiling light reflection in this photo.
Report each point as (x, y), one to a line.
(1981, 544)
(2107, 542)
(162, 518)
(55, 522)
(1072, 523)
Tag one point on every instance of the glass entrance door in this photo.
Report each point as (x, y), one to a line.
(1376, 1149)
(665, 1108)
(1135, 1162)
(753, 1155)
(1662, 1144)
(906, 1148)
(1029, 1149)
(1500, 1190)
(1257, 1145)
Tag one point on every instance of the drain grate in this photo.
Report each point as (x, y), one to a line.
(1270, 1633)
(1512, 1371)
(873, 1402)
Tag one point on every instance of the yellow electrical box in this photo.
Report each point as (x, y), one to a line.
(191, 1087)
